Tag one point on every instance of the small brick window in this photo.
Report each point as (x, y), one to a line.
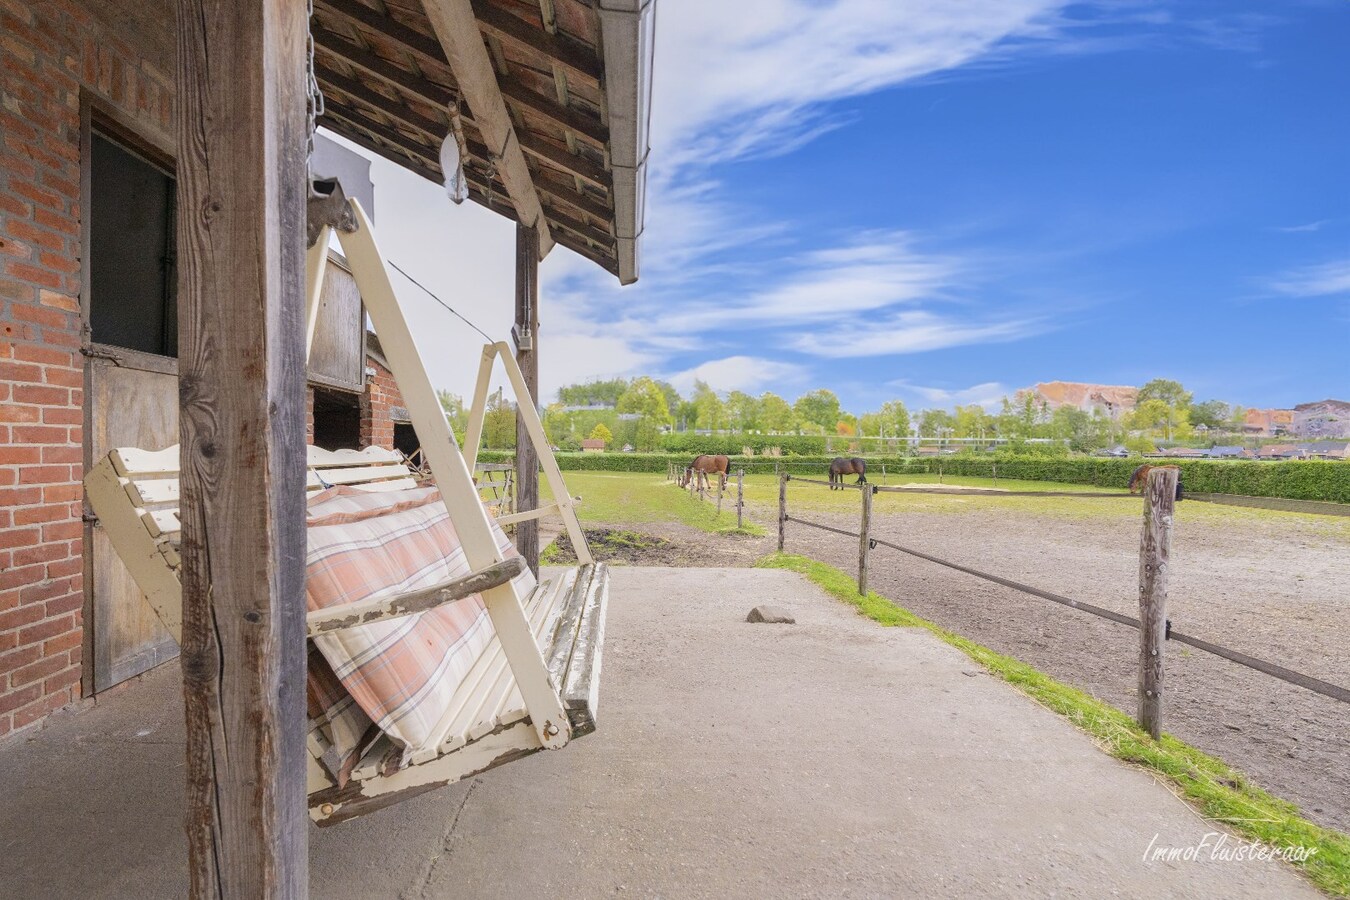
(133, 284)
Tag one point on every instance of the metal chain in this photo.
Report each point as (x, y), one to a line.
(314, 103)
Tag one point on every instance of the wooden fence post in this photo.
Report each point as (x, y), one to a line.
(1155, 549)
(782, 510)
(740, 499)
(865, 538)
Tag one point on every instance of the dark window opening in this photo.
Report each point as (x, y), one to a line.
(405, 439)
(132, 278)
(337, 420)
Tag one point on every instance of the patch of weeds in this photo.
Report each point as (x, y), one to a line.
(1221, 792)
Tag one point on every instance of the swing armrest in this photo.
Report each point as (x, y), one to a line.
(363, 612)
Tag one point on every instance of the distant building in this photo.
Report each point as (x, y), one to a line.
(592, 445)
(1279, 451)
(1326, 449)
(1185, 452)
(1229, 453)
(1112, 401)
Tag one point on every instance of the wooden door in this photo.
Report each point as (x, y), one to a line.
(133, 402)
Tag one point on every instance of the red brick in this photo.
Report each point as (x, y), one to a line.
(60, 262)
(16, 249)
(34, 515)
(36, 634)
(19, 537)
(12, 412)
(58, 222)
(12, 371)
(41, 315)
(37, 671)
(15, 206)
(39, 237)
(72, 455)
(58, 493)
(42, 394)
(20, 456)
(40, 434)
(34, 275)
(64, 531)
(62, 643)
(64, 568)
(44, 474)
(72, 378)
(20, 658)
(68, 603)
(62, 679)
(42, 553)
(37, 591)
(30, 714)
(56, 415)
(20, 576)
(17, 618)
(39, 195)
(44, 355)
(23, 496)
(12, 701)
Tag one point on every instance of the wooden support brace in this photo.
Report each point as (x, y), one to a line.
(1155, 550)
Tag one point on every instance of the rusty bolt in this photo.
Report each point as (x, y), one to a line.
(550, 729)
(326, 809)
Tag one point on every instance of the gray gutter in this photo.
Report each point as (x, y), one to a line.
(627, 28)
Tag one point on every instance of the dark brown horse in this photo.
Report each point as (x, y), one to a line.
(706, 465)
(1139, 477)
(842, 466)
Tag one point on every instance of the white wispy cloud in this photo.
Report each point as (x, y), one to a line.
(911, 331)
(989, 394)
(1321, 280)
(1306, 227)
(739, 373)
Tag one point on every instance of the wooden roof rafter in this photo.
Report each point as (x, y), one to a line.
(538, 92)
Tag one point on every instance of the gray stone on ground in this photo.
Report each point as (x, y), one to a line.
(772, 615)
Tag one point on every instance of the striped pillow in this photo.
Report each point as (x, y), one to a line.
(371, 544)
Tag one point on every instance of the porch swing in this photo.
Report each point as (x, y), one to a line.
(434, 654)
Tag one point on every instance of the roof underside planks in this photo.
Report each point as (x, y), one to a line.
(574, 79)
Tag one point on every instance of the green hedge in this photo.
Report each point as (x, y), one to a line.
(1294, 480)
(733, 444)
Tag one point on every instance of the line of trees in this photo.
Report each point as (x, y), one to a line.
(634, 413)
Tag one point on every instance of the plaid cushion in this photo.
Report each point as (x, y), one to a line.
(371, 544)
(339, 729)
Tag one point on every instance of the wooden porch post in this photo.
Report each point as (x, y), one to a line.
(527, 357)
(241, 202)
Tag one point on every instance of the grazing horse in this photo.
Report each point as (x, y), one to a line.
(841, 467)
(706, 465)
(1139, 477)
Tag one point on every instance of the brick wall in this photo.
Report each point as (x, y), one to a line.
(49, 52)
(381, 396)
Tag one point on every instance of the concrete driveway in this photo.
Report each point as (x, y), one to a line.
(828, 758)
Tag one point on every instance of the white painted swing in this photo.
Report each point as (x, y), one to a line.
(534, 685)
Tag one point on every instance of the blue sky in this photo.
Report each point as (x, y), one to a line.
(944, 201)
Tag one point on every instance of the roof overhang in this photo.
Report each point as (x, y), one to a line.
(554, 97)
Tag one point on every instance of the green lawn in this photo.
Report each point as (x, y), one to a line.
(634, 498)
(638, 497)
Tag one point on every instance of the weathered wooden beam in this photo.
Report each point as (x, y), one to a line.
(549, 108)
(575, 57)
(527, 357)
(574, 198)
(418, 87)
(562, 159)
(578, 227)
(423, 46)
(457, 30)
(241, 256)
(379, 102)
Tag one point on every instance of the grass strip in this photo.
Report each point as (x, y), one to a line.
(1220, 792)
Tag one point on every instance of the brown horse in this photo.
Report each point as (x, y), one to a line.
(842, 466)
(1139, 477)
(704, 466)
